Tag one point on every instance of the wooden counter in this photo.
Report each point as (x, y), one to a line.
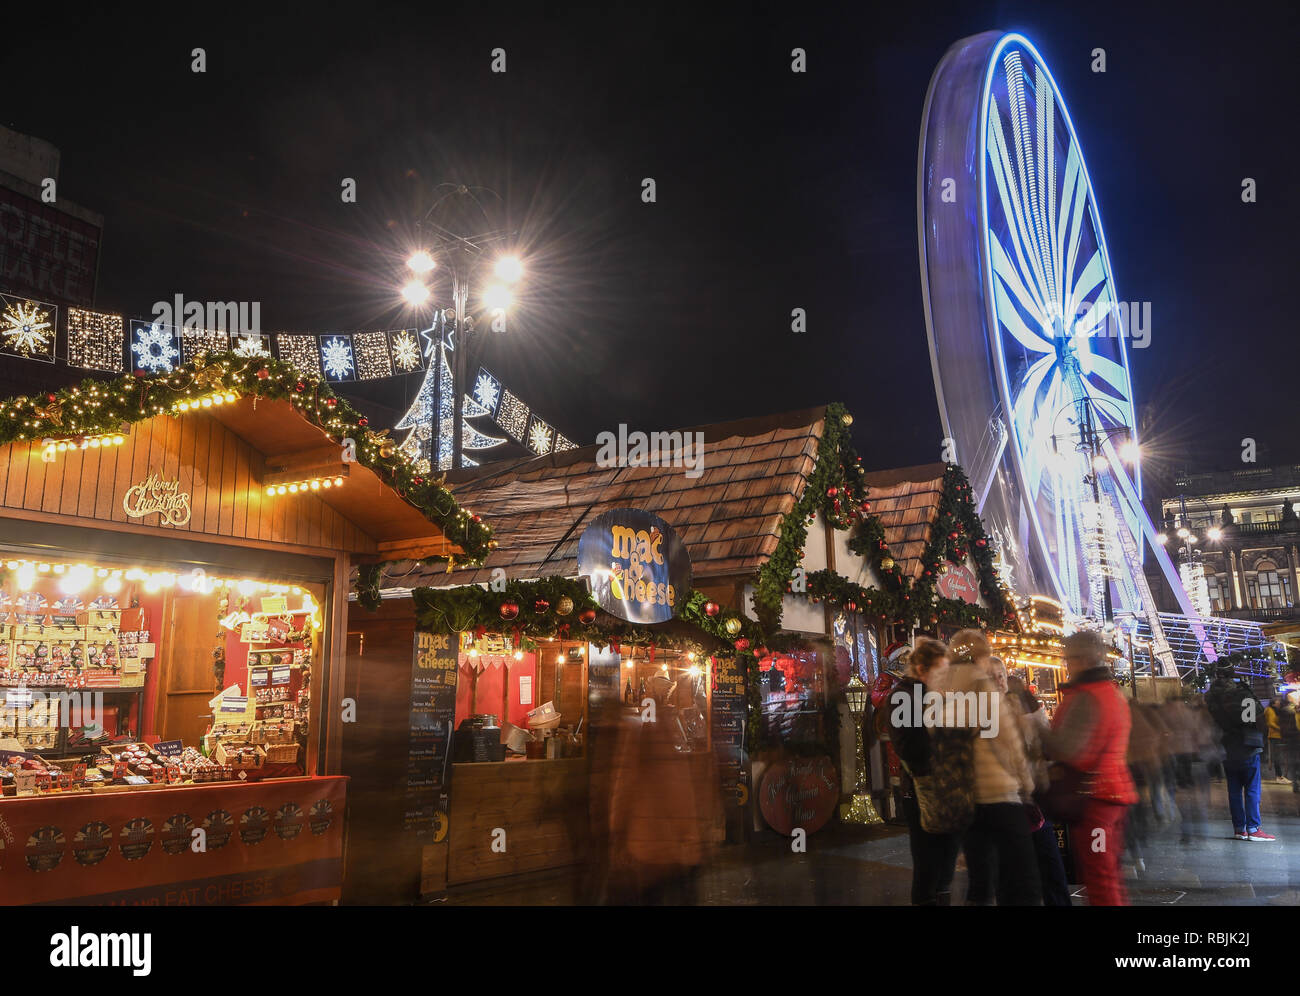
(541, 805)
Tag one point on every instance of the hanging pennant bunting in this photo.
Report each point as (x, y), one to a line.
(95, 340)
(372, 356)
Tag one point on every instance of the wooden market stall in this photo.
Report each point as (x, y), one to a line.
(174, 559)
(794, 577)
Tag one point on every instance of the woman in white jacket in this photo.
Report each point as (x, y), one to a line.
(1000, 858)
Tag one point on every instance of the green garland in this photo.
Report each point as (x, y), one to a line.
(97, 406)
(836, 489)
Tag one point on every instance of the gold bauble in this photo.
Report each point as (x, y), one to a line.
(886, 563)
(846, 418)
(564, 606)
(732, 626)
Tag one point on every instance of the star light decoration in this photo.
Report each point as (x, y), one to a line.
(95, 340)
(154, 347)
(540, 437)
(336, 357)
(405, 351)
(27, 328)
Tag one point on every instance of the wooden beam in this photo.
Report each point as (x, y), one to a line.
(416, 549)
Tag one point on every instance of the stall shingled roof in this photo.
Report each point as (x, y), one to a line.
(906, 501)
(729, 516)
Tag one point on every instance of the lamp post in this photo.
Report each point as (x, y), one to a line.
(860, 808)
(462, 259)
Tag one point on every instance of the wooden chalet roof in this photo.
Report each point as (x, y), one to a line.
(753, 472)
(906, 500)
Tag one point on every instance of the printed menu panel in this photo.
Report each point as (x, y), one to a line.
(433, 716)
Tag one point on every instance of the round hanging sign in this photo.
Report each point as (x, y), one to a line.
(639, 569)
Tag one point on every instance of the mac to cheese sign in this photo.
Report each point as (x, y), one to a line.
(639, 569)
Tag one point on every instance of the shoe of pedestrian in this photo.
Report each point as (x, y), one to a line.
(1240, 835)
(1260, 835)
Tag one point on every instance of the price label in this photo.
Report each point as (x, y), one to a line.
(169, 748)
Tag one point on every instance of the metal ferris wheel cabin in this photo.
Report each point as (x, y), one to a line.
(1028, 344)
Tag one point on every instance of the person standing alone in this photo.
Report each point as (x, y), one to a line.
(1236, 712)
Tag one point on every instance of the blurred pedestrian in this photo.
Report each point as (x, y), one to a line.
(1236, 712)
(1289, 726)
(1275, 758)
(1033, 724)
(1000, 858)
(934, 855)
(1090, 734)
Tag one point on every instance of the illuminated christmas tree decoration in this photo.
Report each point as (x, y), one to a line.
(252, 344)
(541, 437)
(154, 346)
(303, 351)
(563, 443)
(336, 357)
(27, 328)
(512, 415)
(373, 359)
(196, 341)
(405, 351)
(95, 340)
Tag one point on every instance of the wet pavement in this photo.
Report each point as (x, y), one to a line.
(848, 865)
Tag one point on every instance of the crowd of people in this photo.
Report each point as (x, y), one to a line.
(995, 783)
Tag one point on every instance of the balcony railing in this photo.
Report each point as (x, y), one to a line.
(1258, 527)
(1263, 615)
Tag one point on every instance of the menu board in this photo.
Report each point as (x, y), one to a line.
(433, 716)
(729, 713)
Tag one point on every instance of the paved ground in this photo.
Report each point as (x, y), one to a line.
(871, 866)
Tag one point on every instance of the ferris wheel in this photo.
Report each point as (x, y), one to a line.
(1027, 333)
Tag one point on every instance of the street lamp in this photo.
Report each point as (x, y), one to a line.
(462, 258)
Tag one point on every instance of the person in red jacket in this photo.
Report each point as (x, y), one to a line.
(1090, 734)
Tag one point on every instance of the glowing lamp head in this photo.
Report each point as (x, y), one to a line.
(1100, 463)
(1215, 533)
(497, 297)
(509, 269)
(415, 293)
(1130, 452)
(1183, 532)
(421, 262)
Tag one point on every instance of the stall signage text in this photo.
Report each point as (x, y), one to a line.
(153, 494)
(639, 569)
(959, 581)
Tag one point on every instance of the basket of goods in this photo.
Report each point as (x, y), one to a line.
(240, 756)
(281, 753)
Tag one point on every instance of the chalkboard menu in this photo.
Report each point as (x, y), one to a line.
(433, 714)
(729, 725)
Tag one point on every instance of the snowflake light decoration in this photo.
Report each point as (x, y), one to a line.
(487, 390)
(28, 329)
(336, 357)
(154, 348)
(251, 345)
(405, 351)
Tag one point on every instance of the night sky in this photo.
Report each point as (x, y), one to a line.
(775, 190)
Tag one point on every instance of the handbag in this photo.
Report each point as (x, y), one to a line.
(1066, 795)
(945, 798)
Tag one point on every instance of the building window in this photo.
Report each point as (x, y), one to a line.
(1217, 586)
(1270, 591)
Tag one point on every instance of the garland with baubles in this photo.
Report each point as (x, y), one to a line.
(97, 406)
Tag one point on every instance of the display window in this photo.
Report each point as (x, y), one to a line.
(118, 677)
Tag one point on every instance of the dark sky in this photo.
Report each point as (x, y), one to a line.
(775, 191)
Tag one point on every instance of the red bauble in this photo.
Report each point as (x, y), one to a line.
(981, 543)
(587, 616)
(541, 605)
(832, 492)
(300, 387)
(742, 644)
(331, 402)
(476, 518)
(417, 480)
(866, 506)
(51, 398)
(509, 610)
(851, 606)
(363, 421)
(712, 608)
(263, 374)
